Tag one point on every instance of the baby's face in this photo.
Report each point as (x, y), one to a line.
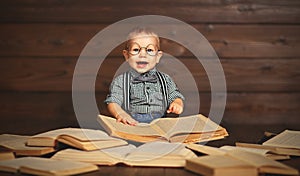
(142, 53)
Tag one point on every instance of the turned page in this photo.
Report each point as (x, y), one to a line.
(157, 149)
(140, 129)
(288, 139)
(185, 125)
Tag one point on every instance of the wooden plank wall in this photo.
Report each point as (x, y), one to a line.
(257, 41)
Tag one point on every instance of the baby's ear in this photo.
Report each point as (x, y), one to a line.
(125, 54)
(158, 56)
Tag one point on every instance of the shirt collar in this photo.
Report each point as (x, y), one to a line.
(135, 73)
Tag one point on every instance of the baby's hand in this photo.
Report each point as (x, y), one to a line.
(176, 106)
(126, 119)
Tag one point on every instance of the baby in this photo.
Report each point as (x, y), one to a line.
(143, 93)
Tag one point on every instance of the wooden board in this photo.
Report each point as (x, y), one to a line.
(193, 11)
(231, 41)
(241, 75)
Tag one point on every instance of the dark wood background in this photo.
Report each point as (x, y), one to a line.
(258, 43)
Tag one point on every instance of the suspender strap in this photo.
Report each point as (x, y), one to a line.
(126, 93)
(165, 93)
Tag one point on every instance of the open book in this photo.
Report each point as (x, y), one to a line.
(238, 162)
(161, 154)
(17, 144)
(46, 166)
(85, 139)
(264, 152)
(286, 139)
(208, 150)
(195, 128)
(287, 142)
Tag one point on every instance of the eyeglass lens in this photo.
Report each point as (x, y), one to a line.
(135, 49)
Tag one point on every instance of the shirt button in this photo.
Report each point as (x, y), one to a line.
(151, 100)
(147, 88)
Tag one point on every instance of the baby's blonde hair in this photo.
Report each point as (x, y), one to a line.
(141, 31)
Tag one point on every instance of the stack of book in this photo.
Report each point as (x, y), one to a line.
(86, 148)
(168, 142)
(30, 151)
(247, 159)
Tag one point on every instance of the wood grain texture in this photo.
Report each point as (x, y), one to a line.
(233, 41)
(36, 112)
(56, 74)
(258, 43)
(192, 11)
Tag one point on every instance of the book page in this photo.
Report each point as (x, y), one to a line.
(119, 152)
(91, 145)
(255, 159)
(272, 149)
(109, 156)
(41, 166)
(78, 133)
(288, 139)
(219, 161)
(152, 150)
(206, 149)
(253, 150)
(142, 129)
(51, 134)
(189, 124)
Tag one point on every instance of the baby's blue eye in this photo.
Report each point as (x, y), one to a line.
(150, 50)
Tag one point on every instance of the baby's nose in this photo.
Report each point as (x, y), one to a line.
(143, 52)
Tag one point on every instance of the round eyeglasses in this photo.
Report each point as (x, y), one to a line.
(135, 49)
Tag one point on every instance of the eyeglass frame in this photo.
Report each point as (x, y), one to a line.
(140, 48)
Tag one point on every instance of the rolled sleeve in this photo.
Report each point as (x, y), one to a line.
(173, 90)
(116, 91)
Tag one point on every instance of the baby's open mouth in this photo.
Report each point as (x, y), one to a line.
(142, 62)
